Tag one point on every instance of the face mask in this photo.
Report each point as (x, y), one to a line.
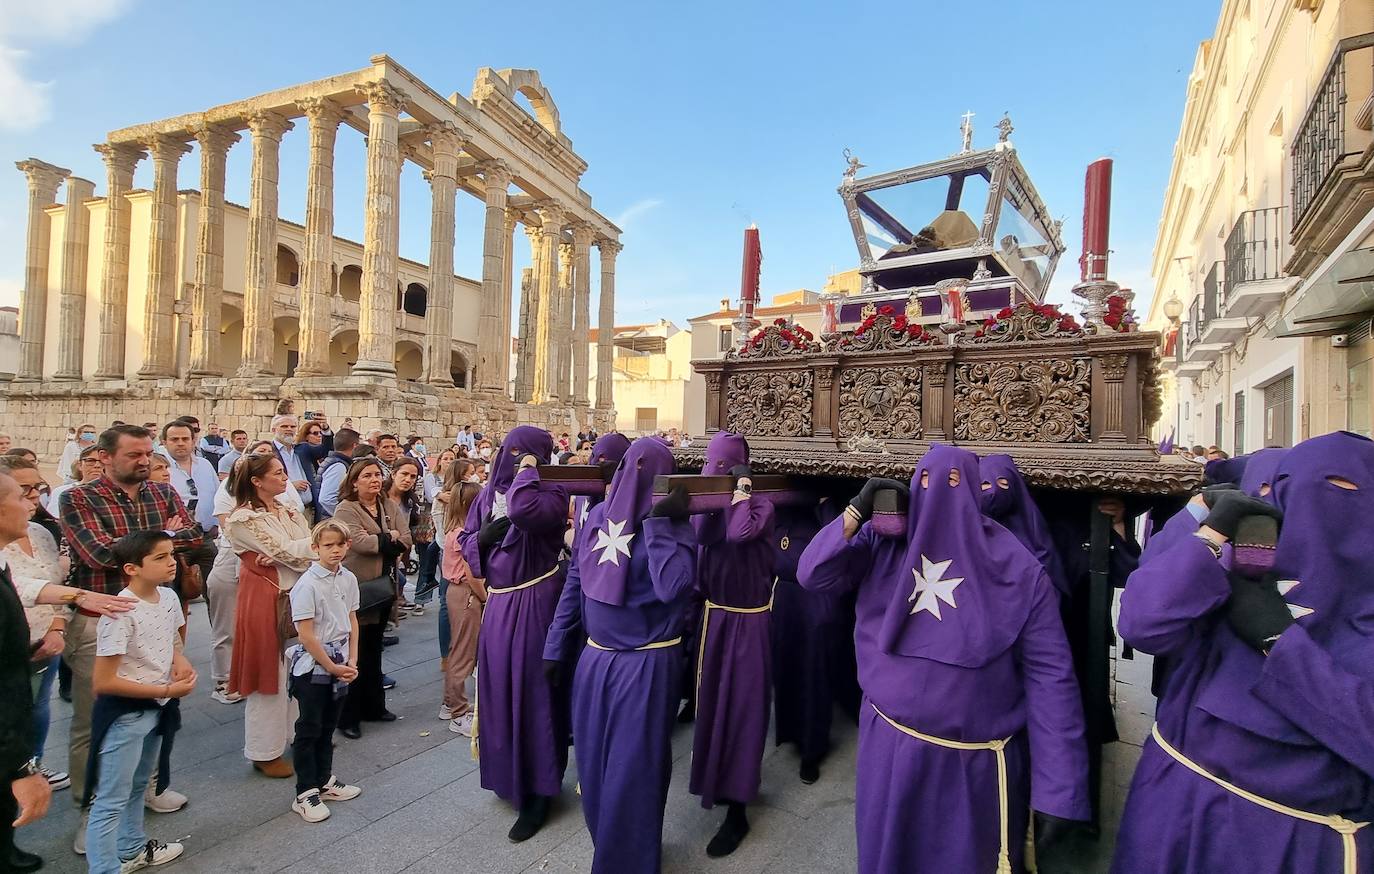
(419, 447)
(87, 436)
(486, 452)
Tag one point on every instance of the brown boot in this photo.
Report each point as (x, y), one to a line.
(278, 768)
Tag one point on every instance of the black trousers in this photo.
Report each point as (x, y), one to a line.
(9, 812)
(312, 750)
(366, 698)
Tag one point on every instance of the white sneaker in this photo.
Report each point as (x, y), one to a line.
(462, 725)
(224, 696)
(170, 801)
(444, 712)
(153, 853)
(57, 780)
(79, 842)
(310, 807)
(337, 790)
(417, 610)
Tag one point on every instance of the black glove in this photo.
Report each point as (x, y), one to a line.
(1256, 611)
(553, 672)
(1212, 492)
(863, 501)
(672, 505)
(1050, 830)
(493, 532)
(741, 470)
(1228, 507)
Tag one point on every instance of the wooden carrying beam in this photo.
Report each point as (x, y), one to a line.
(578, 479)
(710, 494)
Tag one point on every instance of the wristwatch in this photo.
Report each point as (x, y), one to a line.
(745, 488)
(28, 769)
(1211, 544)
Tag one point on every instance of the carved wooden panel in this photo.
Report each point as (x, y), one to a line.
(880, 401)
(1040, 401)
(772, 403)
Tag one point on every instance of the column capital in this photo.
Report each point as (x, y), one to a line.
(512, 219)
(166, 148)
(266, 124)
(551, 213)
(43, 177)
(321, 111)
(496, 173)
(609, 248)
(120, 158)
(214, 138)
(447, 137)
(583, 235)
(382, 96)
(533, 232)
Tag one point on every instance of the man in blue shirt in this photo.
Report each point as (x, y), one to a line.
(332, 471)
(195, 482)
(284, 441)
(238, 441)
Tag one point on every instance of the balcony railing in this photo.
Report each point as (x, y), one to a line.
(1212, 288)
(1196, 321)
(1254, 248)
(1324, 137)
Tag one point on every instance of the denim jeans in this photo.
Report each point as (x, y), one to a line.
(128, 755)
(445, 633)
(44, 675)
(429, 566)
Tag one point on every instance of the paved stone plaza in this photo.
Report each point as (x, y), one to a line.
(423, 810)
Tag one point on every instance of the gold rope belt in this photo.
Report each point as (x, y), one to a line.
(1344, 827)
(706, 623)
(658, 644)
(998, 747)
(525, 585)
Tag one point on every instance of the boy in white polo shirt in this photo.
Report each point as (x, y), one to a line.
(324, 606)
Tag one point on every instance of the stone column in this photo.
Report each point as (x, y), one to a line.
(447, 142)
(605, 337)
(493, 351)
(564, 310)
(33, 310)
(381, 232)
(507, 259)
(317, 257)
(114, 277)
(260, 268)
(207, 294)
(529, 308)
(76, 248)
(582, 291)
(545, 382)
(159, 324)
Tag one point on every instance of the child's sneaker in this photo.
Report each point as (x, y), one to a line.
(224, 696)
(337, 790)
(462, 725)
(310, 807)
(444, 713)
(153, 853)
(57, 780)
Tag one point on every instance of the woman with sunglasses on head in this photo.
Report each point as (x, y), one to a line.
(85, 438)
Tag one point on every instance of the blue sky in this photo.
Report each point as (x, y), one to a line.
(696, 119)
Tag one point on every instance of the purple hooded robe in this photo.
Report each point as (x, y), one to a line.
(734, 659)
(973, 652)
(1295, 727)
(608, 449)
(624, 699)
(1013, 506)
(523, 725)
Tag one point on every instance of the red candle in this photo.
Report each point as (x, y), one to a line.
(1097, 209)
(749, 279)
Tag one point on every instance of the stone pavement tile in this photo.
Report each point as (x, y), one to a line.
(484, 849)
(274, 844)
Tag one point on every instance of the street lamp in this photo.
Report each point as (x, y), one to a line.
(1173, 308)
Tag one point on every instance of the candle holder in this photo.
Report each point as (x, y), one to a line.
(1094, 295)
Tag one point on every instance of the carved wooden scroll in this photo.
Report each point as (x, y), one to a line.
(770, 403)
(881, 402)
(1038, 401)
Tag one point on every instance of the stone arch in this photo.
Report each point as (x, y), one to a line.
(458, 369)
(288, 266)
(527, 84)
(230, 338)
(351, 282)
(343, 351)
(410, 360)
(285, 344)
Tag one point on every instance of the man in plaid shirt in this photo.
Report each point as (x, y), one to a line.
(93, 516)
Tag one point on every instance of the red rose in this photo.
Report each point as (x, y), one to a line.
(1068, 324)
(1113, 320)
(885, 310)
(1004, 313)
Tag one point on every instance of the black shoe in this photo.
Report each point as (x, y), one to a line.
(731, 832)
(387, 682)
(390, 640)
(17, 860)
(352, 732)
(533, 813)
(386, 716)
(810, 771)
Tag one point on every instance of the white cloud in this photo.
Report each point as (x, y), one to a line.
(635, 210)
(26, 23)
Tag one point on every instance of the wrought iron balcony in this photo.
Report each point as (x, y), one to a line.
(1324, 137)
(1255, 254)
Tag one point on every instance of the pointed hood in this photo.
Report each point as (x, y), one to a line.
(966, 583)
(1260, 470)
(521, 441)
(725, 451)
(1013, 506)
(610, 448)
(603, 550)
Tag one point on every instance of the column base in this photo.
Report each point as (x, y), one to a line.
(204, 374)
(66, 376)
(373, 368)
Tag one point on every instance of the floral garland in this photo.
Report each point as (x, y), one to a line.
(899, 324)
(782, 337)
(1064, 322)
(1119, 317)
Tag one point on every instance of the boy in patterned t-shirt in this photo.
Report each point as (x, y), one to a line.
(140, 673)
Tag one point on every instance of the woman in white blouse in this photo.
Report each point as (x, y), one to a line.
(272, 541)
(31, 559)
